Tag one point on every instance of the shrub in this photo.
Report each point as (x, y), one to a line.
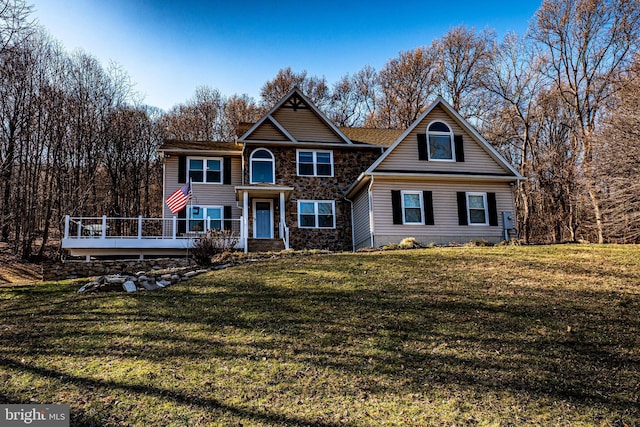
(409, 243)
(212, 243)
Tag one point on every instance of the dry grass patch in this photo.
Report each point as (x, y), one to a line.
(487, 336)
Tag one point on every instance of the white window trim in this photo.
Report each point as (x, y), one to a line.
(451, 141)
(315, 213)
(204, 170)
(315, 162)
(486, 209)
(273, 166)
(206, 223)
(404, 220)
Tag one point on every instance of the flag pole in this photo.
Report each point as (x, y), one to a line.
(189, 210)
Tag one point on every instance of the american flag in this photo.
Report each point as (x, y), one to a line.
(179, 198)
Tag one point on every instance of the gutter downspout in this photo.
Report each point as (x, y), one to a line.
(371, 225)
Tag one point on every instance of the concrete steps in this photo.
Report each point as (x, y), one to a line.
(265, 245)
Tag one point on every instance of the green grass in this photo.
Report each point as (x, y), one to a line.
(544, 335)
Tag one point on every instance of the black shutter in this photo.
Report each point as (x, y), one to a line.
(427, 200)
(396, 204)
(422, 147)
(182, 223)
(457, 139)
(227, 218)
(462, 208)
(493, 209)
(226, 170)
(182, 169)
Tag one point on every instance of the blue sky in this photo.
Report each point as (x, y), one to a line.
(171, 47)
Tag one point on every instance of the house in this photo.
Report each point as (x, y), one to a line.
(296, 180)
(439, 182)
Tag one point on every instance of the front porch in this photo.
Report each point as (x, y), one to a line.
(264, 217)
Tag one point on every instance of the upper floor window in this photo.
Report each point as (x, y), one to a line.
(440, 145)
(315, 163)
(262, 167)
(205, 170)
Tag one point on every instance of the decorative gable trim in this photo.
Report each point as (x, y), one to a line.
(296, 100)
(462, 122)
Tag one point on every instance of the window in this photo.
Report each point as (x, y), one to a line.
(315, 163)
(262, 167)
(412, 207)
(440, 142)
(316, 214)
(198, 216)
(205, 170)
(477, 208)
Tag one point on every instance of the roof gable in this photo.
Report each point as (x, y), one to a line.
(295, 119)
(480, 156)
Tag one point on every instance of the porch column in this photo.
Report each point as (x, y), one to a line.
(282, 215)
(245, 219)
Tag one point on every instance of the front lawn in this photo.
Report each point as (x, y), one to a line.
(545, 335)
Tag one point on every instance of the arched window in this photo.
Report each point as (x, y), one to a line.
(262, 167)
(440, 144)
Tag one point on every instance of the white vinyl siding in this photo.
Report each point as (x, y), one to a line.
(445, 211)
(361, 230)
(405, 155)
(304, 125)
(203, 194)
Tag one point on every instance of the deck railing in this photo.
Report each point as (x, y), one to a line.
(144, 228)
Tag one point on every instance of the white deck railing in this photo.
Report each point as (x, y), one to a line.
(96, 228)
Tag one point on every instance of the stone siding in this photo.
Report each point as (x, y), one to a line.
(349, 163)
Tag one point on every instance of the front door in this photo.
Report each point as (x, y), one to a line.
(262, 219)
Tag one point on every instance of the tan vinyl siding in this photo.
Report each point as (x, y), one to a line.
(445, 209)
(304, 125)
(203, 194)
(362, 232)
(267, 131)
(405, 155)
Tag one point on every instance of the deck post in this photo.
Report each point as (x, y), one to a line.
(103, 233)
(79, 228)
(139, 226)
(174, 228)
(66, 226)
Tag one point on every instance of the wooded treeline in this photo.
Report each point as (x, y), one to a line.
(561, 103)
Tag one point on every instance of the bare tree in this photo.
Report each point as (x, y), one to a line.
(515, 77)
(616, 160)
(315, 88)
(590, 43)
(406, 85)
(464, 56)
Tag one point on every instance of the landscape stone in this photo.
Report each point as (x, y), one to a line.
(149, 286)
(129, 286)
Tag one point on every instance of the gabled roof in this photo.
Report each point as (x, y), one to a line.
(269, 118)
(462, 122)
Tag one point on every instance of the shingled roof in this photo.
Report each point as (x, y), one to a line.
(174, 144)
(381, 137)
